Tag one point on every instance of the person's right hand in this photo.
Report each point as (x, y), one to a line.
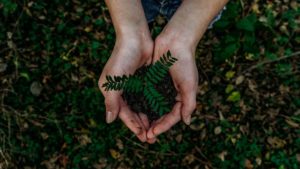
(130, 53)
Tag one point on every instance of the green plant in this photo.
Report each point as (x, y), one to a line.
(145, 83)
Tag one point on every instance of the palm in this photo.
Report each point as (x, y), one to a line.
(185, 78)
(126, 58)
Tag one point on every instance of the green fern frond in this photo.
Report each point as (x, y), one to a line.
(129, 83)
(156, 101)
(145, 83)
(159, 69)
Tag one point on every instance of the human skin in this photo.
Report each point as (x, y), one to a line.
(134, 48)
(181, 36)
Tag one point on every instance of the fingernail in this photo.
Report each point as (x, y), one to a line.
(151, 141)
(188, 120)
(150, 135)
(109, 117)
(141, 136)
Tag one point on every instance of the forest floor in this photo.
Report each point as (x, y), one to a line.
(52, 112)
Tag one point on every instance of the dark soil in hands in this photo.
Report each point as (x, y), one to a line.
(137, 101)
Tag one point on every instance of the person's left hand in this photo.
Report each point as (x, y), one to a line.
(185, 79)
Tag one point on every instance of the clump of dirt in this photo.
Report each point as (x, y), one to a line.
(137, 101)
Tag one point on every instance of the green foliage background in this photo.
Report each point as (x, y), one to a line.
(52, 113)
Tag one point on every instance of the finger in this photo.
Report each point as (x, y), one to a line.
(159, 48)
(166, 122)
(149, 61)
(144, 120)
(178, 98)
(189, 105)
(146, 124)
(151, 141)
(132, 121)
(143, 135)
(112, 105)
(156, 121)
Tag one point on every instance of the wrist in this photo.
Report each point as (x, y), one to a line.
(192, 19)
(178, 38)
(139, 43)
(127, 16)
(133, 34)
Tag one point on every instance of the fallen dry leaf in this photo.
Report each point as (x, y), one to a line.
(114, 154)
(239, 80)
(248, 164)
(178, 138)
(222, 155)
(218, 130)
(188, 159)
(292, 123)
(276, 142)
(120, 144)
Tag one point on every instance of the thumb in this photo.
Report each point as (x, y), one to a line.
(112, 105)
(189, 105)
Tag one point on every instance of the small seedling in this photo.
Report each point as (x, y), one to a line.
(145, 84)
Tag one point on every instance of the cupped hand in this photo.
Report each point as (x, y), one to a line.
(128, 55)
(185, 79)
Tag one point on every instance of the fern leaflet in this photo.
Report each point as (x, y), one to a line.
(129, 83)
(156, 101)
(159, 69)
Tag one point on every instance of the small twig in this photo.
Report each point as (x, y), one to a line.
(14, 111)
(201, 161)
(145, 150)
(19, 18)
(2, 154)
(152, 152)
(200, 152)
(288, 117)
(135, 143)
(291, 73)
(3, 137)
(270, 61)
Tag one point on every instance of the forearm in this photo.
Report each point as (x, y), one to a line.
(192, 19)
(128, 16)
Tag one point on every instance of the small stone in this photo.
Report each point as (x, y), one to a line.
(36, 88)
